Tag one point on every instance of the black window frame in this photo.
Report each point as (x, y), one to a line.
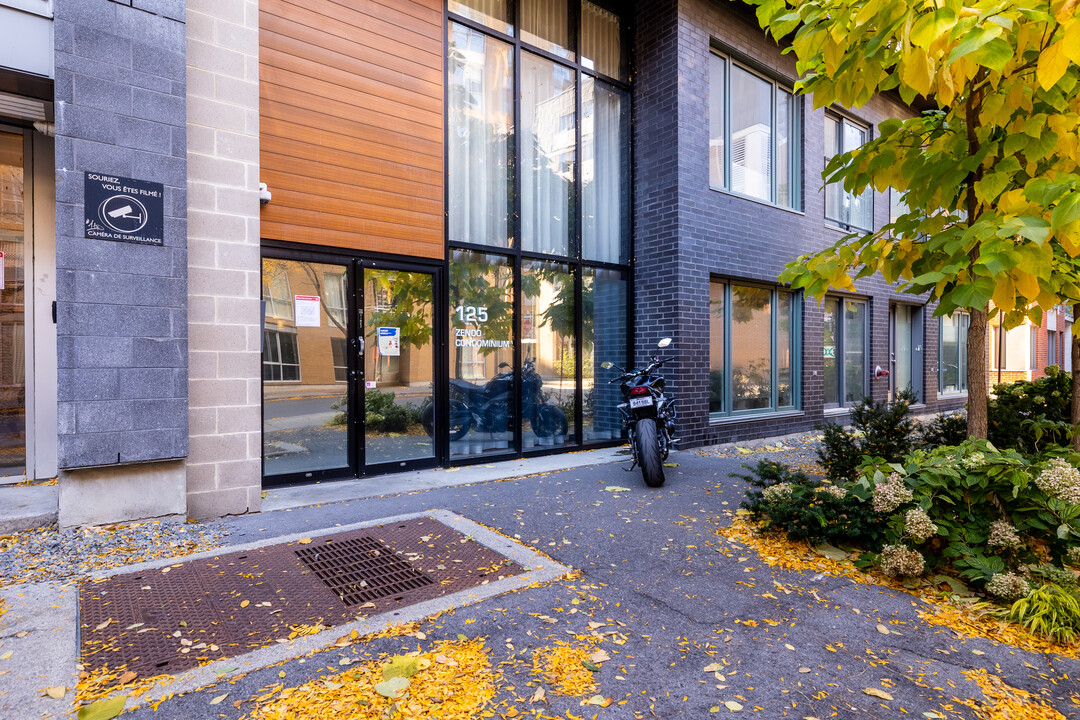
(841, 120)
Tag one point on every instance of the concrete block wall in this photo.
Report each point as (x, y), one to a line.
(121, 307)
(686, 233)
(224, 468)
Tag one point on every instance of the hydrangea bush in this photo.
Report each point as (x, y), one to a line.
(985, 512)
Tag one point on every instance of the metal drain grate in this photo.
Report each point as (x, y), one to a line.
(361, 569)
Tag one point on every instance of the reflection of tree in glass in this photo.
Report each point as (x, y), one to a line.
(402, 300)
(748, 301)
(483, 282)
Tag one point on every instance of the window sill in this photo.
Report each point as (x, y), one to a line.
(830, 225)
(759, 201)
(732, 419)
(952, 395)
(833, 412)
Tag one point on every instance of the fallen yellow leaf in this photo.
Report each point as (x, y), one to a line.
(878, 693)
(245, 603)
(56, 693)
(303, 541)
(733, 706)
(882, 629)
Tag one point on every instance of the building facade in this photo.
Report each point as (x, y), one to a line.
(308, 241)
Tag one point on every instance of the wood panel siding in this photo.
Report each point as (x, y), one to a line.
(351, 123)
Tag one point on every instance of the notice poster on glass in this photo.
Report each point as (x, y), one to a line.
(307, 310)
(390, 341)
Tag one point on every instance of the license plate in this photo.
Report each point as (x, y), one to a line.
(640, 402)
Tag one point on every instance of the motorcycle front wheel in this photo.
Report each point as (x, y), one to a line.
(648, 452)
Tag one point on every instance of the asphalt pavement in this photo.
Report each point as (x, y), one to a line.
(788, 645)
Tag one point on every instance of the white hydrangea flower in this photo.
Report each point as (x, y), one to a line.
(1060, 480)
(899, 561)
(777, 493)
(918, 526)
(1008, 586)
(1003, 534)
(891, 494)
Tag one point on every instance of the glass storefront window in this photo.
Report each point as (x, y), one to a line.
(605, 304)
(546, 24)
(480, 138)
(493, 13)
(549, 365)
(305, 406)
(605, 172)
(481, 354)
(549, 144)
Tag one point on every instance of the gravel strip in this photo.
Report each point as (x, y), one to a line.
(49, 553)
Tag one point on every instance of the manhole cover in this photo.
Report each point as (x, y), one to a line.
(361, 569)
(163, 621)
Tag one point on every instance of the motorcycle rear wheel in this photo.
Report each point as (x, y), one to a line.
(648, 453)
(550, 421)
(460, 420)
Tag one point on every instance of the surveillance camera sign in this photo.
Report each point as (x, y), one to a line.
(124, 209)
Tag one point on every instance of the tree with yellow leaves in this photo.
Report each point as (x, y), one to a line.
(990, 178)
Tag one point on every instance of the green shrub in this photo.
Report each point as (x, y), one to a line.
(949, 429)
(881, 430)
(1031, 415)
(805, 508)
(1049, 610)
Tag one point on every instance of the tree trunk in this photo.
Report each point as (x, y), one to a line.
(977, 381)
(1074, 416)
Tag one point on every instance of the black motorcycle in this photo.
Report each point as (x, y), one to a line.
(489, 407)
(648, 417)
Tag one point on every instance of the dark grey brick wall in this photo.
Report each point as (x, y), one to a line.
(686, 233)
(121, 307)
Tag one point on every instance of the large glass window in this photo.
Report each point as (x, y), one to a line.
(1012, 349)
(845, 329)
(952, 353)
(754, 134)
(601, 41)
(554, 198)
(480, 138)
(481, 344)
(605, 171)
(546, 25)
(549, 362)
(851, 212)
(549, 148)
(493, 13)
(753, 349)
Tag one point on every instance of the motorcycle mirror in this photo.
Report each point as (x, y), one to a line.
(503, 365)
(664, 343)
(607, 365)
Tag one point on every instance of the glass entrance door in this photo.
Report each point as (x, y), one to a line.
(398, 359)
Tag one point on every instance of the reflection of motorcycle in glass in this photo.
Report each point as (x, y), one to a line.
(489, 408)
